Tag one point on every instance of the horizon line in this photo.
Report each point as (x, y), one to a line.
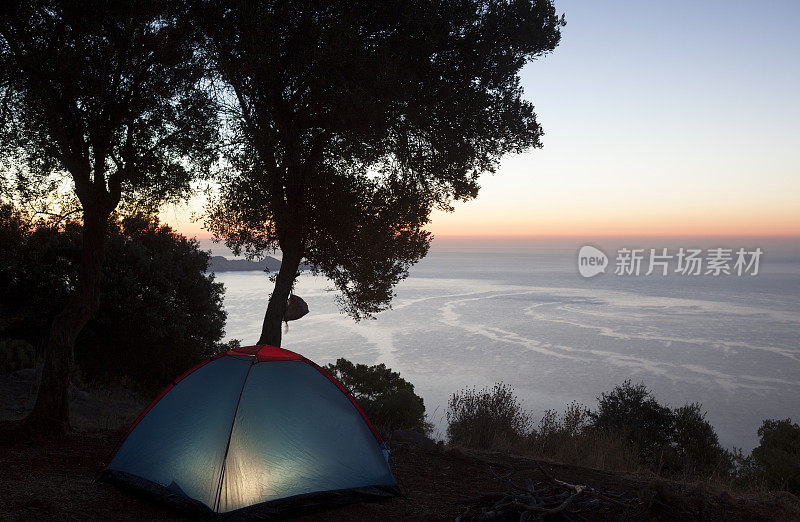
(522, 237)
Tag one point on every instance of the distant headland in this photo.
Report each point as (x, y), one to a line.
(269, 263)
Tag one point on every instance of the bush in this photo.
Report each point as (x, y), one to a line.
(778, 454)
(159, 312)
(16, 355)
(487, 419)
(554, 428)
(629, 431)
(679, 441)
(388, 400)
(567, 437)
(695, 445)
(632, 412)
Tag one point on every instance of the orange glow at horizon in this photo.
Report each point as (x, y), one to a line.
(580, 223)
(576, 224)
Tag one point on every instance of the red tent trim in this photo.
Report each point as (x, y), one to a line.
(172, 385)
(344, 390)
(267, 353)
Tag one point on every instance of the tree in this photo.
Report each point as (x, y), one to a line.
(678, 440)
(37, 269)
(353, 120)
(158, 278)
(632, 412)
(696, 446)
(13, 232)
(778, 453)
(105, 95)
(388, 399)
(151, 276)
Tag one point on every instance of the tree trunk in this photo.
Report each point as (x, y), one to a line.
(50, 415)
(271, 330)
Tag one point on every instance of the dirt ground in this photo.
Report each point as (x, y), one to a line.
(55, 481)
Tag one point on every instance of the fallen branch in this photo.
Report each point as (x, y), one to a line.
(551, 499)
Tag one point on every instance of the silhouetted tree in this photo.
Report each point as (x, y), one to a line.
(634, 413)
(106, 96)
(778, 454)
(14, 230)
(388, 400)
(37, 270)
(678, 440)
(695, 445)
(154, 278)
(353, 120)
(159, 313)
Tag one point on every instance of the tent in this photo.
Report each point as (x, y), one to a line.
(253, 432)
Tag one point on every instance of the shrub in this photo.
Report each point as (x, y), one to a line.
(746, 474)
(629, 431)
(632, 412)
(567, 437)
(679, 441)
(159, 312)
(487, 419)
(555, 427)
(778, 454)
(388, 400)
(695, 445)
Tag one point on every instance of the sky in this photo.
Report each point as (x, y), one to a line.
(660, 119)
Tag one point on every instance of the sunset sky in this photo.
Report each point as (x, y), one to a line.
(660, 118)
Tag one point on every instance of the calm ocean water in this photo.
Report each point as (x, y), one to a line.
(525, 316)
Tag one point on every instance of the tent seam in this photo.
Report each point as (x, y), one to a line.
(218, 497)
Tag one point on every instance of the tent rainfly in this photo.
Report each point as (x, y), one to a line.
(253, 432)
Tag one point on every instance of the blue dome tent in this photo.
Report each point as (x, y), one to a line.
(255, 431)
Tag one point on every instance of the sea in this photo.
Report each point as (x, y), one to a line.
(471, 316)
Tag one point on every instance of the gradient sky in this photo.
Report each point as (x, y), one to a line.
(660, 118)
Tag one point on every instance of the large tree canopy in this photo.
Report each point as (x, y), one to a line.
(105, 93)
(353, 120)
(107, 96)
